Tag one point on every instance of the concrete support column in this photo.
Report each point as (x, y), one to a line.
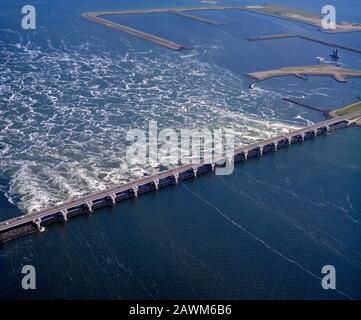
(64, 214)
(37, 223)
(135, 190)
(90, 206)
(195, 169)
(213, 167)
(328, 129)
(289, 141)
(275, 143)
(303, 137)
(176, 176)
(261, 151)
(113, 197)
(156, 184)
(246, 155)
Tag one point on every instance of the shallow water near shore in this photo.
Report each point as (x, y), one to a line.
(72, 89)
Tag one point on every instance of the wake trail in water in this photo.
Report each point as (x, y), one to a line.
(307, 230)
(261, 241)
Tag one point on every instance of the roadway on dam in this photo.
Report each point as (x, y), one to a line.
(36, 218)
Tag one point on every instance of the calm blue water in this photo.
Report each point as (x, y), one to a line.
(71, 89)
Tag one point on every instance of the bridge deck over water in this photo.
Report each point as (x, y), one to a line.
(90, 202)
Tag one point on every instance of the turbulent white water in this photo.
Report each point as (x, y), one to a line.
(64, 114)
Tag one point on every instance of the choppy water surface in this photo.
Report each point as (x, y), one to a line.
(66, 110)
(70, 91)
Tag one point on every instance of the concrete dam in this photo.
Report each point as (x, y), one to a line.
(38, 221)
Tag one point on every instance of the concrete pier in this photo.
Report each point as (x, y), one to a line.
(95, 17)
(64, 214)
(20, 226)
(135, 191)
(89, 206)
(338, 73)
(193, 17)
(134, 32)
(113, 197)
(328, 43)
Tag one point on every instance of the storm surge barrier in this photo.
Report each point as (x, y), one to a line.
(38, 221)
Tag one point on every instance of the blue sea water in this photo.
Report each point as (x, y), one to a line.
(71, 89)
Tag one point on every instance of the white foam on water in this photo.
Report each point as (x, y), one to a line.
(65, 111)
